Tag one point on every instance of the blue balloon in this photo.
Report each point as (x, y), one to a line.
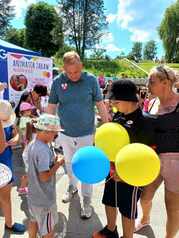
(90, 165)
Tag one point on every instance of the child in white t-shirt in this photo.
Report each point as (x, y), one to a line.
(26, 117)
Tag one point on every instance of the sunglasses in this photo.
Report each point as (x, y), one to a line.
(162, 70)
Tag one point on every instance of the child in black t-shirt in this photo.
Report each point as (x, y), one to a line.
(118, 194)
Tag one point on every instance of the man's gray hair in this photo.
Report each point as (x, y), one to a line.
(71, 57)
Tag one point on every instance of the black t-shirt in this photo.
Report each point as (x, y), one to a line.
(167, 131)
(139, 127)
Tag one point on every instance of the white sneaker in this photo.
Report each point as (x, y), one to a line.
(86, 210)
(70, 193)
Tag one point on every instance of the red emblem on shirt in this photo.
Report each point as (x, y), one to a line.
(64, 86)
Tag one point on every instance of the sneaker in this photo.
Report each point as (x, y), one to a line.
(106, 233)
(86, 210)
(22, 191)
(70, 193)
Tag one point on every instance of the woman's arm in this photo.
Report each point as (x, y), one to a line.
(2, 139)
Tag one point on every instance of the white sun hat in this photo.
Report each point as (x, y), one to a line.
(48, 122)
(7, 115)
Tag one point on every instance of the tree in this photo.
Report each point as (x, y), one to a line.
(43, 29)
(6, 15)
(84, 22)
(169, 32)
(98, 54)
(136, 53)
(150, 50)
(15, 36)
(63, 50)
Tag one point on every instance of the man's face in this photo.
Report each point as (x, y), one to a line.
(73, 71)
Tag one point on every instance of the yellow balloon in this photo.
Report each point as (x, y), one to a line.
(111, 137)
(137, 164)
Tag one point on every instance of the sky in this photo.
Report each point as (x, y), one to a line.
(128, 21)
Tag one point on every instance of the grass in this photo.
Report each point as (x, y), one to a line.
(118, 68)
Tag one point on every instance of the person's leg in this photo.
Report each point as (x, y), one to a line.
(110, 230)
(5, 200)
(128, 227)
(86, 189)
(146, 200)
(23, 189)
(172, 207)
(68, 145)
(68, 150)
(49, 235)
(32, 229)
(111, 215)
(24, 181)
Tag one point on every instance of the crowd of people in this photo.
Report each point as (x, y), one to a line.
(150, 115)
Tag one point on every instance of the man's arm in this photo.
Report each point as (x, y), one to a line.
(105, 116)
(51, 108)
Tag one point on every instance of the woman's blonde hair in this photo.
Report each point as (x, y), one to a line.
(164, 72)
(71, 57)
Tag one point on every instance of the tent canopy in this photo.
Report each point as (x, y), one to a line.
(6, 47)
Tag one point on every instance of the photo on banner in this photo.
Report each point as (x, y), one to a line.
(26, 71)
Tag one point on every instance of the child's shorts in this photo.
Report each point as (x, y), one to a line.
(123, 196)
(46, 218)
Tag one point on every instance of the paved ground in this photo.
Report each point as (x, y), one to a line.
(70, 225)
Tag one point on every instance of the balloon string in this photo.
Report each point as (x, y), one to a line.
(108, 179)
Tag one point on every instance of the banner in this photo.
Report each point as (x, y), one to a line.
(26, 71)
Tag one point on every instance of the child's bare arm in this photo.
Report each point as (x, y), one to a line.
(45, 175)
(28, 131)
(15, 138)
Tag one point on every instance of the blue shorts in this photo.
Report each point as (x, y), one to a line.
(123, 196)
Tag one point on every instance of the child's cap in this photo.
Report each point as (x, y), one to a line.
(25, 106)
(48, 122)
(7, 114)
(124, 90)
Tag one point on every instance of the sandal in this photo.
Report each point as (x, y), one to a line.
(23, 190)
(140, 226)
(16, 228)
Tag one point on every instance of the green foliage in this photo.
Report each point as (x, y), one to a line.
(6, 15)
(98, 54)
(63, 50)
(136, 53)
(150, 50)
(169, 32)
(15, 36)
(114, 68)
(43, 29)
(84, 22)
(117, 68)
